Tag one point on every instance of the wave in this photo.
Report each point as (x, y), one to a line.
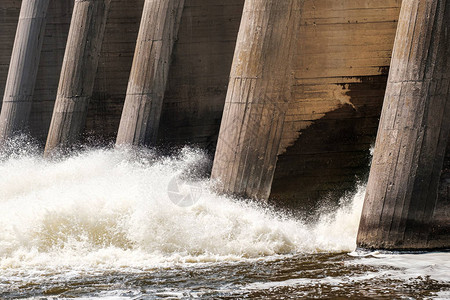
(120, 208)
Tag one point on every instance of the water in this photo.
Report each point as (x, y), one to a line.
(110, 224)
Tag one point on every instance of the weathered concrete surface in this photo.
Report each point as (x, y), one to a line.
(23, 67)
(258, 97)
(51, 57)
(401, 203)
(199, 73)
(341, 66)
(113, 70)
(440, 220)
(9, 15)
(52, 54)
(198, 76)
(142, 109)
(105, 107)
(78, 72)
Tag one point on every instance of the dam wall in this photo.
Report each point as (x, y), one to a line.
(9, 16)
(403, 209)
(340, 72)
(79, 69)
(198, 74)
(340, 69)
(287, 97)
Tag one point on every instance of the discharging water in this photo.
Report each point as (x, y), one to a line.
(108, 224)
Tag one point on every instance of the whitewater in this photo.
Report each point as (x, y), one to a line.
(100, 212)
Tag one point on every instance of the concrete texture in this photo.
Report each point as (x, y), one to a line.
(145, 93)
(23, 68)
(258, 97)
(401, 205)
(78, 72)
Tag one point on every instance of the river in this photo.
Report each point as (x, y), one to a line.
(122, 224)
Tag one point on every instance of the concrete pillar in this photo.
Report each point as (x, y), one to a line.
(23, 67)
(258, 96)
(414, 128)
(78, 72)
(142, 109)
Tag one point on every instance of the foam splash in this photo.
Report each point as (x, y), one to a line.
(435, 266)
(111, 209)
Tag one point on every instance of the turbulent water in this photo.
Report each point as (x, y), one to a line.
(122, 224)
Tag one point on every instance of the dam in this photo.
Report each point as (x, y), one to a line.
(324, 109)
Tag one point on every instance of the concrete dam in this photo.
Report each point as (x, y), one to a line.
(290, 97)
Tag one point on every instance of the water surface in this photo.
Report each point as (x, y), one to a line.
(108, 224)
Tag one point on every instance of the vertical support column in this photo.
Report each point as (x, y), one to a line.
(258, 97)
(414, 128)
(23, 67)
(143, 104)
(78, 72)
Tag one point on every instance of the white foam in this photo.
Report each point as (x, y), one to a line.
(110, 209)
(435, 266)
